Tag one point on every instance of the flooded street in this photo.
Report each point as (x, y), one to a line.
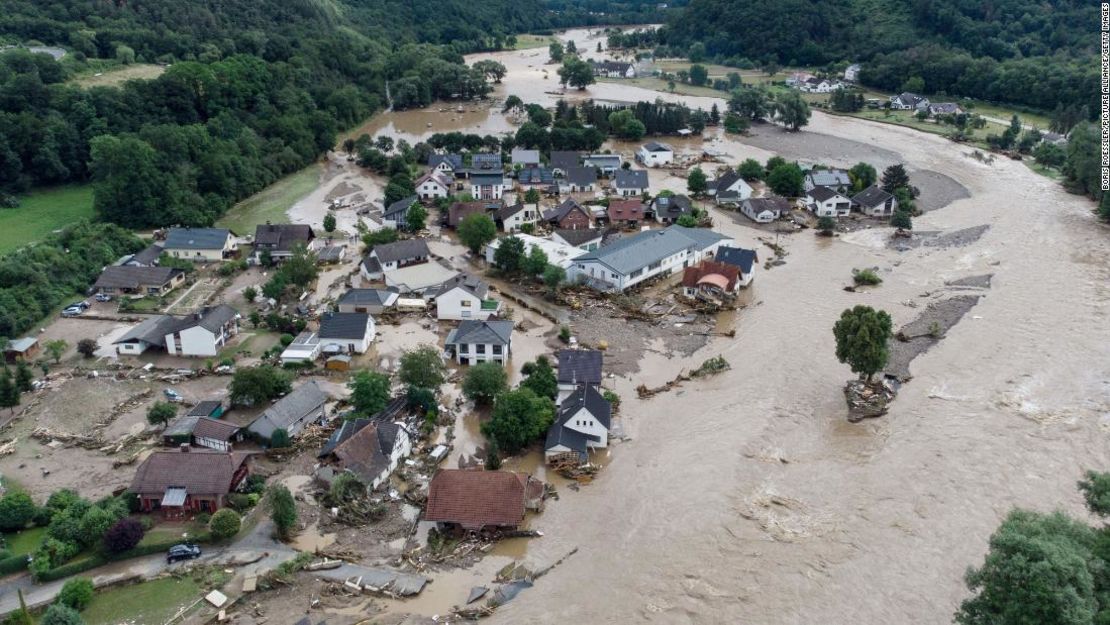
(747, 497)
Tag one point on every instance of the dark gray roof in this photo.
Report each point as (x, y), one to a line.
(564, 160)
(638, 251)
(290, 409)
(129, 277)
(630, 179)
(211, 318)
(214, 428)
(343, 325)
(524, 156)
(197, 238)
(673, 206)
(505, 212)
(737, 257)
(579, 366)
(484, 179)
(401, 250)
(468, 282)
(557, 435)
(152, 330)
(726, 179)
(397, 210)
(473, 332)
(454, 160)
(822, 194)
(581, 176)
(655, 146)
(603, 157)
(871, 196)
(282, 237)
(590, 398)
(536, 175)
(560, 211)
(205, 408)
(578, 237)
(149, 255)
(771, 203)
(484, 160)
(373, 297)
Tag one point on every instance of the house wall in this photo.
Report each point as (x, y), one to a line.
(655, 159)
(132, 349)
(832, 207)
(882, 210)
(525, 216)
(195, 341)
(212, 443)
(361, 308)
(575, 220)
(619, 282)
(472, 354)
(763, 217)
(487, 192)
(402, 447)
(201, 256)
(625, 192)
(357, 345)
(458, 304)
(584, 422)
(430, 190)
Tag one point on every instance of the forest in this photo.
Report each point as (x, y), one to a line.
(1024, 52)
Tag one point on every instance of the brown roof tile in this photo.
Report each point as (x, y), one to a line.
(213, 428)
(476, 499)
(199, 471)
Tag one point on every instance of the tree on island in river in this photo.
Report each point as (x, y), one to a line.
(862, 339)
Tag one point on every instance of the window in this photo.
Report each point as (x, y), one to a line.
(480, 348)
(464, 349)
(654, 265)
(465, 303)
(497, 350)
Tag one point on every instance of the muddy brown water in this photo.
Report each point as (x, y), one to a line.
(747, 496)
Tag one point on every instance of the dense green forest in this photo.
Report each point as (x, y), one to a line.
(1028, 52)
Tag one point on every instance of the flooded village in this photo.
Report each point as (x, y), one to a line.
(698, 460)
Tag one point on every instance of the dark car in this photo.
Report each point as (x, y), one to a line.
(182, 552)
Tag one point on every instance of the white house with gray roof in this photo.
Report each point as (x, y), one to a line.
(655, 154)
(604, 163)
(630, 182)
(464, 297)
(302, 406)
(203, 333)
(200, 244)
(474, 342)
(632, 260)
(373, 301)
(836, 179)
(346, 333)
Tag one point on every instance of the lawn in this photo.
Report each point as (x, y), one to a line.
(168, 532)
(117, 74)
(658, 84)
(42, 212)
(24, 542)
(148, 603)
(525, 42)
(271, 203)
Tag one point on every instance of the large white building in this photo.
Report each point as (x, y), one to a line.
(655, 154)
(557, 253)
(632, 260)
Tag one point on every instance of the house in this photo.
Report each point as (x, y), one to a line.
(465, 297)
(582, 423)
(568, 216)
(473, 501)
(433, 185)
(200, 244)
(819, 85)
(827, 202)
(203, 333)
(630, 182)
(604, 163)
(835, 179)
(304, 405)
(797, 79)
(449, 164)
(138, 281)
(764, 210)
(557, 253)
(851, 73)
(909, 102)
(331, 254)
(561, 161)
(711, 280)
(21, 350)
(585, 239)
(744, 260)
(577, 368)
(304, 348)
(147, 257)
(485, 162)
(215, 434)
(182, 482)
(614, 69)
(392, 256)
(669, 208)
(373, 301)
(280, 240)
(535, 177)
(474, 342)
(944, 108)
(655, 154)
(458, 211)
(580, 180)
(625, 213)
(632, 260)
(525, 158)
(729, 188)
(346, 333)
(416, 279)
(183, 428)
(875, 202)
(368, 449)
(514, 218)
(487, 186)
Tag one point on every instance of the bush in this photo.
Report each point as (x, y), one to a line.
(77, 593)
(13, 564)
(286, 340)
(564, 334)
(124, 535)
(255, 484)
(240, 502)
(61, 615)
(866, 277)
(283, 510)
(17, 509)
(86, 347)
(225, 524)
(280, 439)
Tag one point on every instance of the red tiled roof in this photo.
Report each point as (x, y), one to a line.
(199, 471)
(730, 274)
(476, 499)
(620, 210)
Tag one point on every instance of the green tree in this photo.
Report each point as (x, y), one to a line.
(379, 237)
(56, 349)
(422, 368)
(787, 180)
(555, 51)
(519, 417)
(283, 510)
(280, 439)
(87, 347)
(24, 377)
(554, 276)
(914, 84)
(792, 110)
(536, 262)
(255, 385)
(224, 524)
(736, 124)
(687, 221)
(369, 392)
(76, 593)
(329, 222)
(751, 170)
(532, 196)
(576, 73)
(901, 220)
(752, 103)
(540, 378)
(160, 413)
(862, 336)
(1095, 487)
(17, 509)
(1104, 207)
(698, 74)
(250, 294)
(9, 391)
(826, 225)
(476, 230)
(485, 381)
(58, 614)
(300, 268)
(895, 177)
(862, 175)
(696, 182)
(509, 255)
(416, 217)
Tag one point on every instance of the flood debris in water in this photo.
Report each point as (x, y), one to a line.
(868, 400)
(712, 366)
(928, 329)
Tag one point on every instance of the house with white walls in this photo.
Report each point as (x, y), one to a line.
(632, 260)
(655, 154)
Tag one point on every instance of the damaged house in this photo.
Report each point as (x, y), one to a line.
(370, 450)
(581, 424)
(577, 368)
(711, 281)
(179, 483)
(304, 405)
(476, 501)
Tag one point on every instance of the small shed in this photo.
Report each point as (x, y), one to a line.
(338, 363)
(23, 349)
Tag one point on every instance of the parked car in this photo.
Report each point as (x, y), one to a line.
(82, 305)
(72, 311)
(172, 395)
(184, 551)
(103, 297)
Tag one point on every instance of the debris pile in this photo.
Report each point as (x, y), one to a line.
(868, 400)
(713, 366)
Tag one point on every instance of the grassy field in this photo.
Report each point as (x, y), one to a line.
(658, 84)
(43, 211)
(24, 542)
(148, 603)
(117, 74)
(526, 41)
(271, 203)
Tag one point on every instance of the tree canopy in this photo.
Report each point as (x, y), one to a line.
(862, 336)
(519, 417)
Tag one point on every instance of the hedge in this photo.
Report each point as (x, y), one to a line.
(13, 564)
(100, 559)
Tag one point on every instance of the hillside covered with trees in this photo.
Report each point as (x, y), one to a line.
(1026, 52)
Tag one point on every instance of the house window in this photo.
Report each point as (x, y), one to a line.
(497, 350)
(654, 265)
(480, 348)
(464, 349)
(465, 303)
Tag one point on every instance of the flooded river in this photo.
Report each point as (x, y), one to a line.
(747, 497)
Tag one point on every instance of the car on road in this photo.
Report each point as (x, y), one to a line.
(184, 551)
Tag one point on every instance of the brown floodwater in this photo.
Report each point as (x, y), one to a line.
(747, 497)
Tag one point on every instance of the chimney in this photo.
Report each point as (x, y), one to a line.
(184, 447)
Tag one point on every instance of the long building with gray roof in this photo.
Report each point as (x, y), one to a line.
(632, 260)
